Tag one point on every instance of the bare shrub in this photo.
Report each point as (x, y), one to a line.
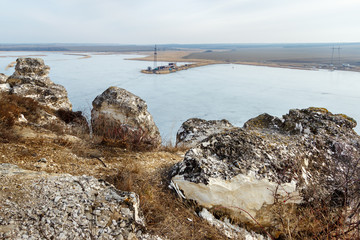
(335, 217)
(171, 148)
(121, 135)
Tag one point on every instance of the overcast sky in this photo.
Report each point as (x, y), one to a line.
(181, 21)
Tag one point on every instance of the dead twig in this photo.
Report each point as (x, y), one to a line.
(101, 161)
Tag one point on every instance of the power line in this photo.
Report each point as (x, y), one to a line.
(332, 55)
(155, 57)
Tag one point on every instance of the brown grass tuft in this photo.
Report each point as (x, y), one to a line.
(169, 147)
(13, 105)
(165, 214)
(122, 135)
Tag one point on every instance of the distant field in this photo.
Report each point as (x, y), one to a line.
(306, 56)
(315, 55)
(349, 54)
(173, 56)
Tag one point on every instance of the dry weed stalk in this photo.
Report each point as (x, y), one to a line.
(121, 135)
(165, 214)
(335, 217)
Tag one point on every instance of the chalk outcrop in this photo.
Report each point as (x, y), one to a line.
(194, 130)
(37, 104)
(61, 206)
(3, 78)
(31, 80)
(121, 118)
(4, 87)
(305, 156)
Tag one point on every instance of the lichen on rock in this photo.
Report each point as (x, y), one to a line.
(3, 78)
(30, 79)
(36, 105)
(4, 87)
(307, 155)
(121, 118)
(194, 130)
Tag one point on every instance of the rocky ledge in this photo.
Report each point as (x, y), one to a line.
(305, 157)
(38, 205)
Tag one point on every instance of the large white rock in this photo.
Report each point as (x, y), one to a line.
(249, 172)
(122, 118)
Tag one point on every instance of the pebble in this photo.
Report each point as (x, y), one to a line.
(122, 224)
(120, 237)
(97, 212)
(42, 160)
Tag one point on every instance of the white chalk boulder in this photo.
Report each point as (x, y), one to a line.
(122, 118)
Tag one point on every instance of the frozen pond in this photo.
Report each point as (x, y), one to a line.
(233, 92)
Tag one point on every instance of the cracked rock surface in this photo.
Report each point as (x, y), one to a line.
(30, 79)
(194, 130)
(122, 118)
(308, 154)
(38, 205)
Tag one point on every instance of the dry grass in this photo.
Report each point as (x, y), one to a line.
(142, 172)
(317, 222)
(336, 216)
(122, 135)
(170, 147)
(146, 173)
(13, 105)
(165, 214)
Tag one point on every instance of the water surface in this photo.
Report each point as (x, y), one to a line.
(224, 91)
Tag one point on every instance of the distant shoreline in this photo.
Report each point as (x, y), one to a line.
(310, 59)
(178, 56)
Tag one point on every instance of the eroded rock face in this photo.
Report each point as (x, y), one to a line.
(61, 206)
(194, 130)
(31, 100)
(30, 79)
(122, 118)
(3, 78)
(30, 70)
(4, 87)
(307, 155)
